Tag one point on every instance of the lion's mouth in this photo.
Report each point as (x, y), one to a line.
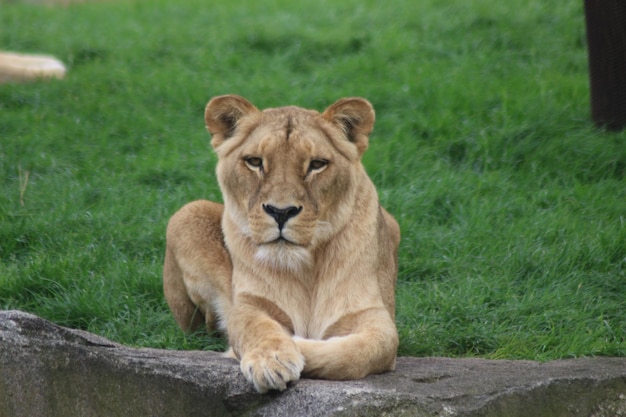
(281, 240)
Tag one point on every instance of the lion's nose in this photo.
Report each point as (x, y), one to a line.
(281, 215)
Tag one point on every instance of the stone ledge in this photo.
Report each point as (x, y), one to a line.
(48, 370)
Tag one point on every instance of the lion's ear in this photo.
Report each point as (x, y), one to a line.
(223, 113)
(355, 117)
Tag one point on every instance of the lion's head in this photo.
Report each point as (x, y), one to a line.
(289, 176)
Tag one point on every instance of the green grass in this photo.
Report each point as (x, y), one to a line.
(512, 205)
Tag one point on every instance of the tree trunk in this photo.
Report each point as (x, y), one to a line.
(606, 37)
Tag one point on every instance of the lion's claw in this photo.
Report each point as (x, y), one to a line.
(272, 370)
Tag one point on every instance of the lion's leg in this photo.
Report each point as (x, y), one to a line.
(197, 271)
(187, 315)
(269, 358)
(361, 344)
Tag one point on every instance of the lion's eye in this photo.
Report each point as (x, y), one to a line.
(317, 164)
(253, 162)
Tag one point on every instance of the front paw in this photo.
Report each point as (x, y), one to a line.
(271, 369)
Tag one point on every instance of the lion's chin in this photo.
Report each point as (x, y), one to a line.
(284, 255)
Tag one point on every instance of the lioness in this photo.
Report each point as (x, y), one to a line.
(298, 267)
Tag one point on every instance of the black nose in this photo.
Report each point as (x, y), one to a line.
(281, 215)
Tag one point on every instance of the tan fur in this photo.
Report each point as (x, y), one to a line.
(316, 298)
(26, 67)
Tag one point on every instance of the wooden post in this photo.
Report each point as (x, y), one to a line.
(606, 37)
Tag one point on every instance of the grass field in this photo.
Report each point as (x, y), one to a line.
(512, 205)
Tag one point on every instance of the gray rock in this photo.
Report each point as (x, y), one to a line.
(47, 370)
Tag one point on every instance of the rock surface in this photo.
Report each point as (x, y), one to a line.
(47, 370)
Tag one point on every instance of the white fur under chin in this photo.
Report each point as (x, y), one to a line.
(284, 257)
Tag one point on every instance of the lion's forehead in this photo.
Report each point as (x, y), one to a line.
(289, 119)
(287, 112)
(291, 136)
(283, 135)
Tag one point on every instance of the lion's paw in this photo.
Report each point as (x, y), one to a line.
(272, 370)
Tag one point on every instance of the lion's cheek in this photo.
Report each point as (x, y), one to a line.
(334, 214)
(236, 180)
(237, 188)
(334, 192)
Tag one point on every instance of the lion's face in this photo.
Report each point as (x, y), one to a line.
(288, 175)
